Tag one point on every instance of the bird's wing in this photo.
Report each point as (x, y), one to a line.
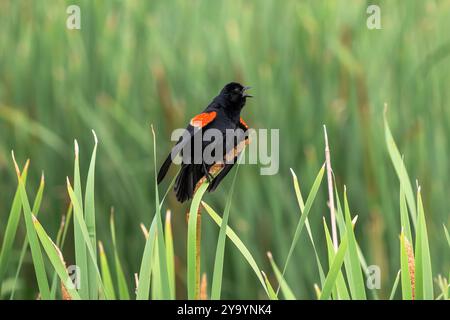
(231, 155)
(203, 119)
(199, 121)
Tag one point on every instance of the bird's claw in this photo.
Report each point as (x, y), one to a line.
(209, 177)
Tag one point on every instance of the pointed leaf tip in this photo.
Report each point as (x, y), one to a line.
(325, 135)
(136, 281)
(144, 230)
(293, 173)
(100, 248)
(153, 129)
(16, 167)
(77, 149)
(111, 215)
(95, 136)
(27, 164)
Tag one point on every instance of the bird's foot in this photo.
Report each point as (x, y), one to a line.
(209, 177)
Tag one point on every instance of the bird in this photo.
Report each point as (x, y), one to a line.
(223, 114)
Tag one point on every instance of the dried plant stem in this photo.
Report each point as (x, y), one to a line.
(330, 191)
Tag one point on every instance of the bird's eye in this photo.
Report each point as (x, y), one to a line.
(236, 90)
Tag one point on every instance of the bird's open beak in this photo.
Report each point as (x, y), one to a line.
(244, 94)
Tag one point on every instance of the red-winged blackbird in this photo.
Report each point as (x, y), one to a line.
(223, 114)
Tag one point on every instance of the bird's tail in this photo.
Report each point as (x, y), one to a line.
(187, 179)
(164, 168)
(184, 187)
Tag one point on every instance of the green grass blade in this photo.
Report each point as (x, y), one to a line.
(220, 250)
(106, 274)
(444, 288)
(193, 278)
(36, 253)
(308, 228)
(67, 220)
(169, 188)
(400, 169)
(407, 291)
(160, 242)
(404, 219)
(394, 287)
(358, 288)
(156, 286)
(424, 276)
(23, 251)
(84, 232)
(89, 215)
(145, 271)
(80, 247)
(447, 235)
(11, 227)
(301, 222)
(38, 199)
(120, 276)
(272, 294)
(285, 289)
(340, 292)
(56, 259)
(238, 243)
(60, 239)
(330, 280)
(170, 253)
(367, 272)
(342, 232)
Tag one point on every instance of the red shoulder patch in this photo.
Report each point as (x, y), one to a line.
(203, 119)
(243, 123)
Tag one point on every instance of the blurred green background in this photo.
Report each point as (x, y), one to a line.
(310, 63)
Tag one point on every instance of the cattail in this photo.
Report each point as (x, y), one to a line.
(204, 288)
(65, 294)
(411, 267)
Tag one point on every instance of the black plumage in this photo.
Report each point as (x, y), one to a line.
(223, 114)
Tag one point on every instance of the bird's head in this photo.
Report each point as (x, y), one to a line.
(235, 94)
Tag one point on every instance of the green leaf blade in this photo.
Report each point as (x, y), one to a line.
(11, 227)
(80, 247)
(424, 276)
(358, 288)
(89, 213)
(220, 250)
(239, 244)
